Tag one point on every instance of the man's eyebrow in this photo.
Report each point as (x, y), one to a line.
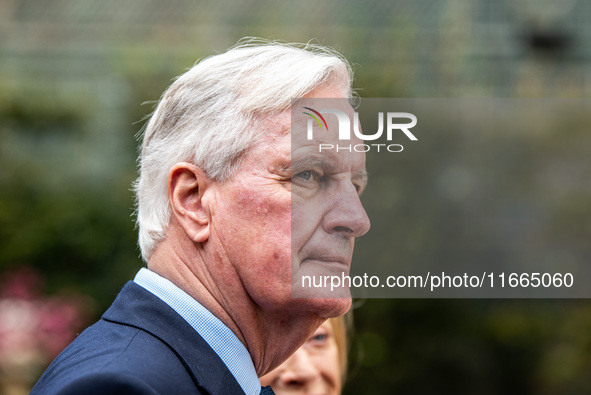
(323, 162)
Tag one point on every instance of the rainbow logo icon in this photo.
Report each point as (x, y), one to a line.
(316, 117)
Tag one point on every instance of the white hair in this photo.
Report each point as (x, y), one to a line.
(211, 115)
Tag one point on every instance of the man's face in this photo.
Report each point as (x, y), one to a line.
(327, 214)
(290, 203)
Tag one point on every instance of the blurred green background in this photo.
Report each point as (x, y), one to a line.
(74, 75)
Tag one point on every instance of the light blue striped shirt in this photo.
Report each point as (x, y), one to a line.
(219, 337)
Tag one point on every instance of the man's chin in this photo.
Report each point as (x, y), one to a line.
(325, 307)
(334, 307)
(325, 299)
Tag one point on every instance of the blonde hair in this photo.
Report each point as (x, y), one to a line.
(341, 328)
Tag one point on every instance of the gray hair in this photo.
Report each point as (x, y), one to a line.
(212, 114)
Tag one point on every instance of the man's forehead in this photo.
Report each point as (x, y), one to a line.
(278, 124)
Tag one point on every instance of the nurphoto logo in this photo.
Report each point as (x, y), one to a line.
(393, 124)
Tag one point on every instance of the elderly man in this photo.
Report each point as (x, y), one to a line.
(213, 310)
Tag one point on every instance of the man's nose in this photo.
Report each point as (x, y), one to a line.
(346, 214)
(299, 372)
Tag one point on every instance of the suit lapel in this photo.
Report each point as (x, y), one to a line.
(135, 306)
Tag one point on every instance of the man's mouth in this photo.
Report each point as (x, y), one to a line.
(330, 259)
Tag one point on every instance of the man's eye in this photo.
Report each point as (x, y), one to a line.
(305, 175)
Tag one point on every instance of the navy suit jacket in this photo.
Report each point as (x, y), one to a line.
(139, 346)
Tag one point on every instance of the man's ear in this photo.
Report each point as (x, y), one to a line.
(186, 185)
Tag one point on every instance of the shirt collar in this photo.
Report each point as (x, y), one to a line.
(219, 337)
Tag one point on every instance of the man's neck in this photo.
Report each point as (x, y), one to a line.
(269, 337)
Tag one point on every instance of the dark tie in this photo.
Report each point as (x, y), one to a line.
(267, 391)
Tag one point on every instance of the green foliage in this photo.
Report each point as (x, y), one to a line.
(471, 346)
(76, 231)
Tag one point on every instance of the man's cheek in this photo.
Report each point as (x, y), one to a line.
(306, 218)
(263, 204)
